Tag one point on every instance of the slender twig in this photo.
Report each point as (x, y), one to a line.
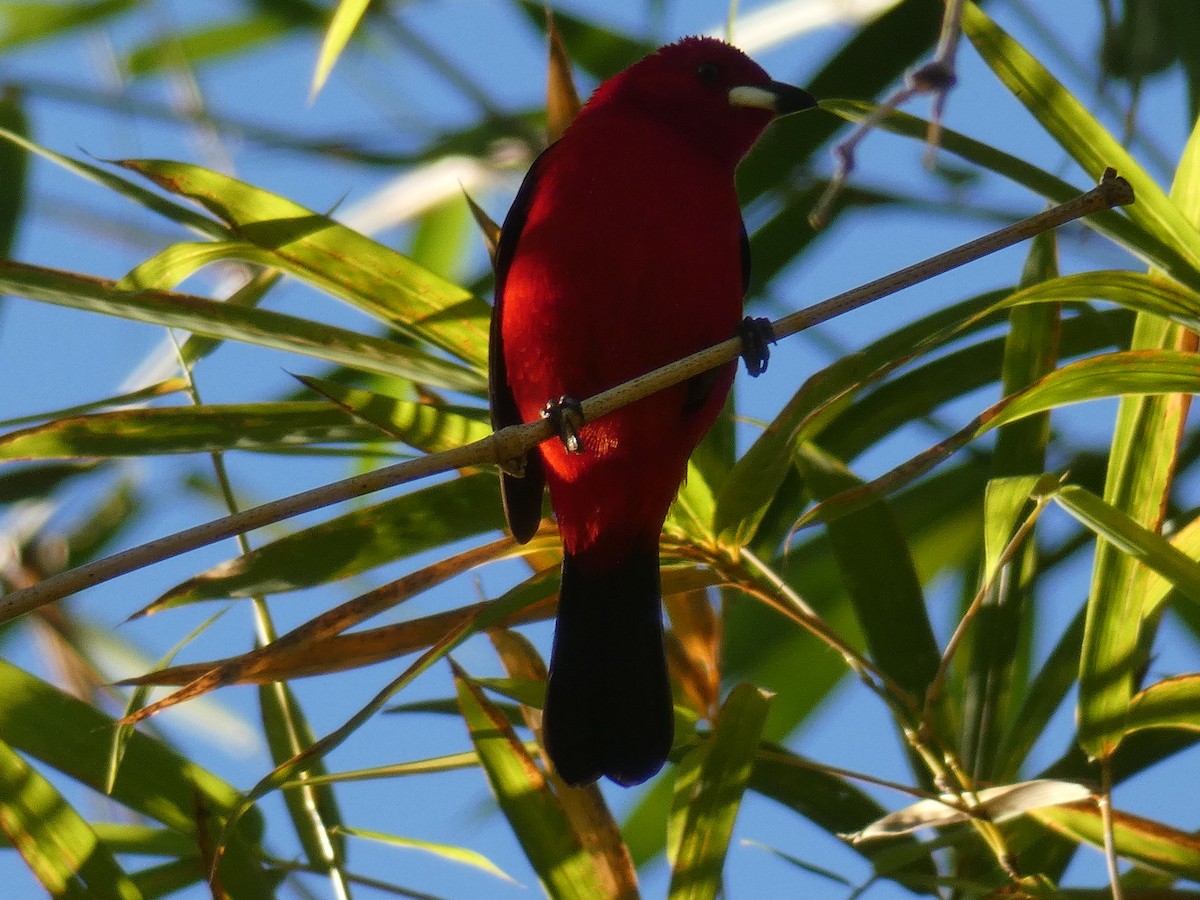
(936, 77)
(1104, 802)
(515, 441)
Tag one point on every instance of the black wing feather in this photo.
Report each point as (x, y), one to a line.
(522, 496)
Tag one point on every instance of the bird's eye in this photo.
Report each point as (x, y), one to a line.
(709, 73)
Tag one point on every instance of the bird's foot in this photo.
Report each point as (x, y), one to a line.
(757, 335)
(566, 417)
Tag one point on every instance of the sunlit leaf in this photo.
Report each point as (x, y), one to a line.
(54, 840)
(708, 794)
(354, 542)
(531, 808)
(1171, 703)
(341, 28)
(448, 852)
(335, 258)
(224, 321)
(1144, 841)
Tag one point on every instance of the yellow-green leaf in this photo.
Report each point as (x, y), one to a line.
(708, 793)
(341, 28)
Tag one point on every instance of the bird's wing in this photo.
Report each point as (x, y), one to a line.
(522, 496)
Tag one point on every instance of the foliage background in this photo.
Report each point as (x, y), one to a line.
(426, 79)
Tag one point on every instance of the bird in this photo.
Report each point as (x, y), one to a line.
(624, 249)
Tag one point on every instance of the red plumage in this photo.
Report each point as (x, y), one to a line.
(623, 251)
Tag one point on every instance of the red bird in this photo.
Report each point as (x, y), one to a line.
(624, 250)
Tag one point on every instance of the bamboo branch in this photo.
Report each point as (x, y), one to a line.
(515, 441)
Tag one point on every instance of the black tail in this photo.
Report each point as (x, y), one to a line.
(608, 702)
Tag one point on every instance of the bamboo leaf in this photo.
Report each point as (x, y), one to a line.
(14, 165)
(1146, 842)
(1149, 245)
(211, 42)
(1141, 466)
(1075, 129)
(341, 28)
(708, 793)
(212, 318)
(25, 22)
(1171, 703)
(428, 427)
(54, 840)
(352, 543)
(532, 810)
(123, 187)
(186, 429)
(448, 852)
(313, 809)
(60, 731)
(877, 569)
(1108, 375)
(1132, 539)
(337, 259)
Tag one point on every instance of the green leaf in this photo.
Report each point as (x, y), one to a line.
(212, 42)
(1133, 540)
(55, 841)
(1133, 290)
(123, 187)
(917, 394)
(1149, 245)
(877, 569)
(24, 22)
(708, 793)
(448, 852)
(36, 482)
(336, 259)
(160, 389)
(533, 812)
(1142, 460)
(1046, 692)
(754, 481)
(64, 733)
(187, 429)
(224, 321)
(354, 542)
(995, 659)
(1006, 498)
(1108, 375)
(1171, 703)
(341, 28)
(313, 809)
(14, 165)
(429, 427)
(1075, 130)
(1143, 841)
(838, 807)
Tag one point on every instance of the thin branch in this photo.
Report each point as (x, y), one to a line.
(515, 441)
(936, 77)
(1104, 801)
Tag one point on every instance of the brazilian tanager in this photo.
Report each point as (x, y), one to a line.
(624, 250)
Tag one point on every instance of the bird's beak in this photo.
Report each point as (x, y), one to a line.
(775, 96)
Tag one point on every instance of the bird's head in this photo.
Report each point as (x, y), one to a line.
(708, 90)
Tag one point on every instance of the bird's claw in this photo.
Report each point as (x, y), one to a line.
(757, 335)
(566, 417)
